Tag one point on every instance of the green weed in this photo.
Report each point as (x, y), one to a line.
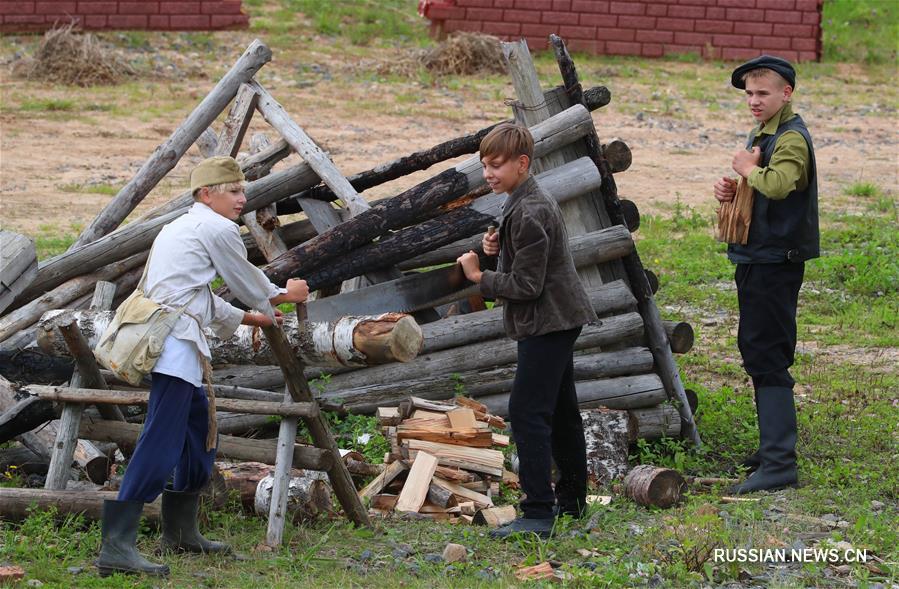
(863, 189)
(48, 105)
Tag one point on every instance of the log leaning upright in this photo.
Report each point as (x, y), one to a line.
(657, 339)
(298, 389)
(167, 155)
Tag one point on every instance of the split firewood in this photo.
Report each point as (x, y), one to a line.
(734, 217)
(495, 517)
(464, 495)
(384, 502)
(455, 475)
(538, 572)
(416, 488)
(462, 419)
(485, 460)
(476, 438)
(388, 416)
(442, 497)
(393, 470)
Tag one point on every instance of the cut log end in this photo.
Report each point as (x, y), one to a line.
(406, 341)
(653, 486)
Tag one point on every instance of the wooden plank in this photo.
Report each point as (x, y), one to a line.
(416, 488)
(462, 419)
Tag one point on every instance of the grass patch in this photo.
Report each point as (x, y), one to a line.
(360, 23)
(47, 105)
(51, 240)
(860, 31)
(863, 189)
(108, 189)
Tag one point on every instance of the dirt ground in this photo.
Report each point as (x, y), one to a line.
(680, 145)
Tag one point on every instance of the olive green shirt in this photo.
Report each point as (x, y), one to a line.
(788, 168)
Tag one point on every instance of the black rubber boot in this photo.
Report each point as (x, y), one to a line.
(179, 525)
(118, 552)
(750, 463)
(777, 443)
(543, 527)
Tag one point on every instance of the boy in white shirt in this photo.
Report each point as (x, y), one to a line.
(179, 431)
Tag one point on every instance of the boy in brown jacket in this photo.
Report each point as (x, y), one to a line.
(544, 308)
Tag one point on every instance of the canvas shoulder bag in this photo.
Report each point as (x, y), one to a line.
(133, 341)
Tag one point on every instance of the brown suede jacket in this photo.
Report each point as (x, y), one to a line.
(536, 277)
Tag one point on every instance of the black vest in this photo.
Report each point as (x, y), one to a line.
(782, 230)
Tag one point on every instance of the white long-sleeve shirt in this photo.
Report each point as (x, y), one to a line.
(187, 255)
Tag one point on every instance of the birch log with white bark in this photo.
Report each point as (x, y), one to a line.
(349, 341)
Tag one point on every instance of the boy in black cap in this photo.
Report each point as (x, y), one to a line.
(779, 165)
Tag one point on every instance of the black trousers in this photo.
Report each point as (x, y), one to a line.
(546, 424)
(768, 295)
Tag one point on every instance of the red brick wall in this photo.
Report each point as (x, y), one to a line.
(720, 29)
(174, 15)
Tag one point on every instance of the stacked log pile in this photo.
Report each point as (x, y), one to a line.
(341, 244)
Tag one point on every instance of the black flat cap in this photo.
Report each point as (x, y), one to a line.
(781, 66)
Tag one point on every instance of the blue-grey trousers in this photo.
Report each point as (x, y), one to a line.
(173, 439)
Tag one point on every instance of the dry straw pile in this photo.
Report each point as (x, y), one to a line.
(69, 57)
(461, 54)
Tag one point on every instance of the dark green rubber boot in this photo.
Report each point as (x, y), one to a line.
(179, 525)
(118, 552)
(777, 443)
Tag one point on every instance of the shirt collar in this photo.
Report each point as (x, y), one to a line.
(199, 208)
(527, 186)
(770, 128)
